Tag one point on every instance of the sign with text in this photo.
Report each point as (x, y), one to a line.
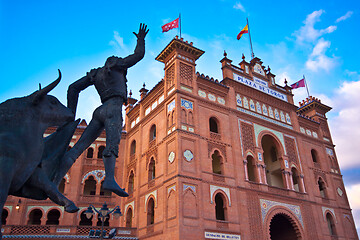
(221, 236)
(259, 85)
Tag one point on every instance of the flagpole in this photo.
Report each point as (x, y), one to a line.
(306, 86)
(180, 23)
(252, 52)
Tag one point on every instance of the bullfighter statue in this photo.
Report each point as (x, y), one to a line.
(110, 83)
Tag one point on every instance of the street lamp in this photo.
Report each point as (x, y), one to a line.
(103, 213)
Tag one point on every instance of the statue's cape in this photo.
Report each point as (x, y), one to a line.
(55, 146)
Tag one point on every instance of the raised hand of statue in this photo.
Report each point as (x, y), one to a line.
(142, 31)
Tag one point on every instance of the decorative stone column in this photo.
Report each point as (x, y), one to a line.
(301, 184)
(286, 177)
(264, 174)
(291, 181)
(258, 168)
(246, 170)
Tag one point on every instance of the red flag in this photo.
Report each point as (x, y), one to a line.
(245, 30)
(298, 84)
(170, 25)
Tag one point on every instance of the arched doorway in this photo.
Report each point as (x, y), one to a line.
(281, 228)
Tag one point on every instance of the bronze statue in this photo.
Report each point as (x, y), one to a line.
(110, 82)
(27, 160)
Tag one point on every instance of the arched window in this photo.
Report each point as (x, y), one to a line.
(106, 221)
(150, 212)
(216, 162)
(4, 215)
(191, 118)
(314, 155)
(53, 217)
(152, 133)
(84, 221)
(35, 217)
(131, 183)
(129, 216)
(322, 188)
(62, 186)
(213, 125)
(219, 207)
(133, 147)
(90, 186)
(100, 151)
(151, 174)
(104, 192)
(331, 225)
(251, 168)
(183, 116)
(274, 176)
(295, 178)
(90, 153)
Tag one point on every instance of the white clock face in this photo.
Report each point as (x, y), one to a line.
(171, 157)
(258, 69)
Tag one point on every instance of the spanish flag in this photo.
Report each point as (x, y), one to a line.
(245, 30)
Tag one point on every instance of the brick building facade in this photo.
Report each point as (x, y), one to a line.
(209, 159)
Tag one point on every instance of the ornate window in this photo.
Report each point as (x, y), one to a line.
(90, 186)
(100, 151)
(271, 148)
(35, 217)
(53, 217)
(151, 173)
(150, 212)
(131, 183)
(220, 207)
(213, 124)
(152, 133)
(62, 186)
(330, 224)
(129, 216)
(217, 162)
(90, 153)
(251, 168)
(314, 155)
(133, 147)
(322, 188)
(84, 221)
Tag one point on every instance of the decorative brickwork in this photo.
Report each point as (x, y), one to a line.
(324, 127)
(186, 73)
(247, 133)
(309, 220)
(170, 76)
(30, 230)
(291, 150)
(254, 214)
(212, 146)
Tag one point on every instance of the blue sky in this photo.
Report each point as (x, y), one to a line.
(318, 39)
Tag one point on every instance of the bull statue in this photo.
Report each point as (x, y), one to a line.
(28, 161)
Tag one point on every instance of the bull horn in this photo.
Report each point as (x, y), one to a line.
(42, 92)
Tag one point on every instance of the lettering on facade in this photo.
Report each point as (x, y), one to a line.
(259, 87)
(221, 236)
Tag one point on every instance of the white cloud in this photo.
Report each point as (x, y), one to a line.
(353, 193)
(344, 128)
(118, 43)
(308, 33)
(346, 16)
(318, 59)
(239, 6)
